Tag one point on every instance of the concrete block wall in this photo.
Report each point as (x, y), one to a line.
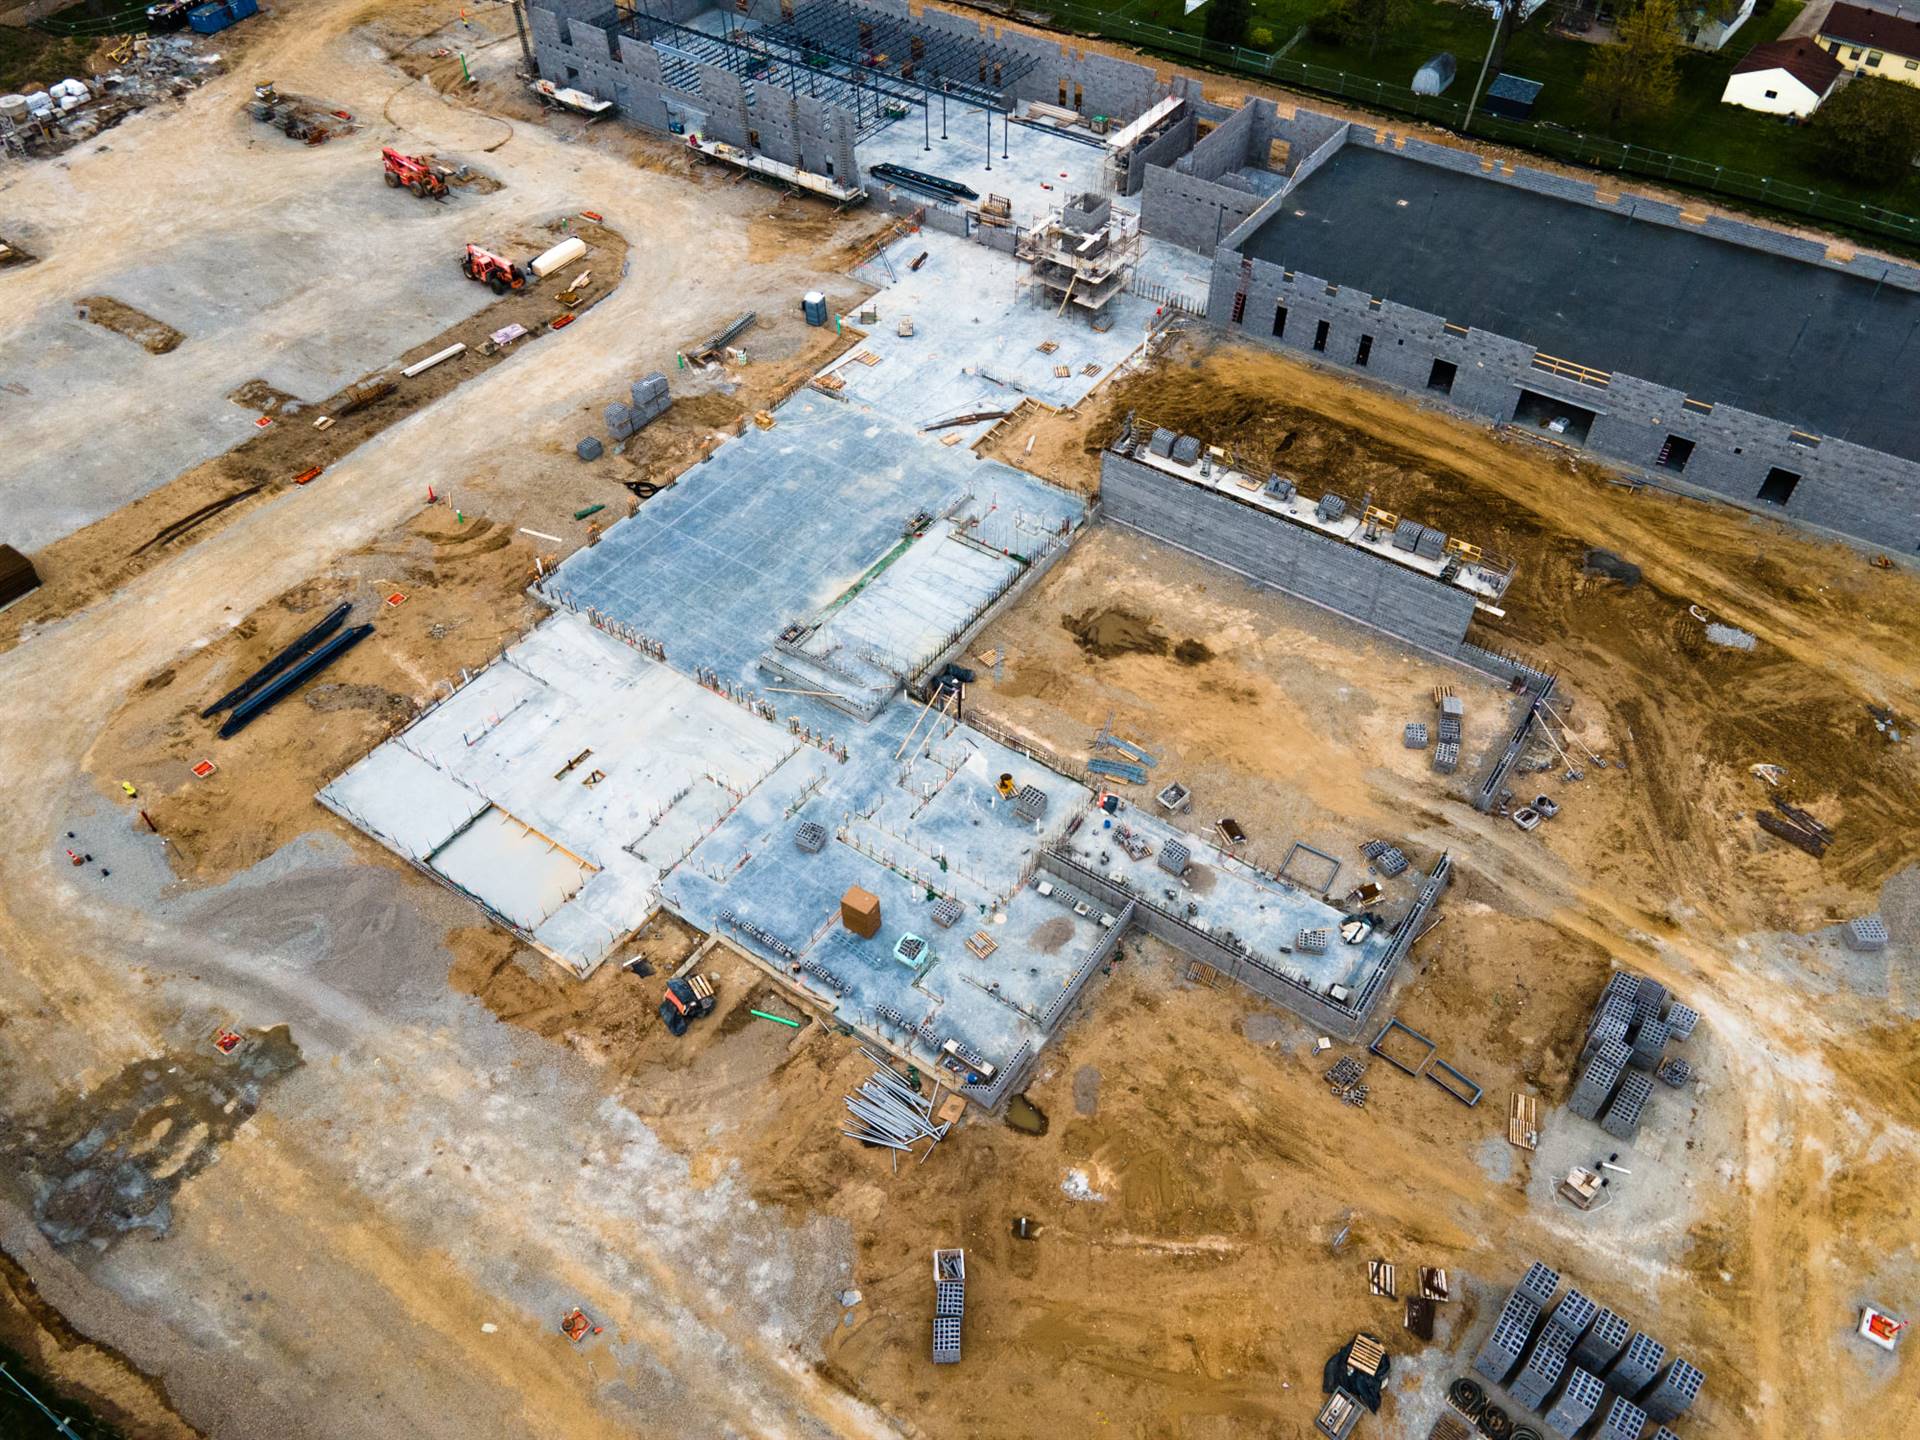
(1843, 487)
(1190, 212)
(1174, 142)
(1272, 551)
(1227, 147)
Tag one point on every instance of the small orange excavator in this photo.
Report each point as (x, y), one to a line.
(490, 269)
(414, 172)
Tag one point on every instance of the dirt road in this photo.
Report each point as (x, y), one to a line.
(363, 1251)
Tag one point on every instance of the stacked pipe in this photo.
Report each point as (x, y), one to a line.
(332, 622)
(889, 1112)
(309, 665)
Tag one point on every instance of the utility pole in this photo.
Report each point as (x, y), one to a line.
(1499, 18)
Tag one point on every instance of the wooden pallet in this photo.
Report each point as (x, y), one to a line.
(1380, 1279)
(867, 357)
(1523, 1121)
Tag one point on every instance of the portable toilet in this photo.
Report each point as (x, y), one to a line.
(814, 305)
(1435, 76)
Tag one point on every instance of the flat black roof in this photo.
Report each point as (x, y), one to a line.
(1829, 352)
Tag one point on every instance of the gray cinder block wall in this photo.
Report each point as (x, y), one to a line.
(1274, 552)
(1842, 486)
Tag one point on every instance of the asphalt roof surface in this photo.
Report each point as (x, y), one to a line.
(1783, 338)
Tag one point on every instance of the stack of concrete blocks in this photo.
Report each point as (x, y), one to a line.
(1580, 1395)
(1511, 1330)
(1675, 1392)
(1606, 1337)
(1162, 443)
(1406, 534)
(1541, 1374)
(810, 836)
(1676, 1073)
(1680, 1021)
(1174, 858)
(1449, 732)
(1649, 1044)
(1281, 488)
(649, 400)
(1312, 942)
(949, 1305)
(947, 912)
(1415, 736)
(1867, 934)
(1539, 1284)
(1649, 999)
(1432, 543)
(1624, 1421)
(1571, 1317)
(1185, 451)
(1598, 1080)
(1637, 1365)
(1446, 757)
(1622, 1120)
(1663, 1433)
(1606, 1028)
(1030, 804)
(1331, 507)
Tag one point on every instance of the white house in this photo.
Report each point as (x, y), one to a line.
(1783, 77)
(1705, 33)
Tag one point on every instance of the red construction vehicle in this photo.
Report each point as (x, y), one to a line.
(415, 172)
(484, 265)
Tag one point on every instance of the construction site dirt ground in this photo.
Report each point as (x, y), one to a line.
(452, 1143)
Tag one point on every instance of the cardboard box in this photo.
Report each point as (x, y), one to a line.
(860, 912)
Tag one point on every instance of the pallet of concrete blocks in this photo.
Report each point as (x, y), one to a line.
(947, 912)
(949, 1304)
(1598, 1081)
(1312, 942)
(620, 421)
(1606, 1337)
(1867, 934)
(1649, 1044)
(590, 448)
(1449, 731)
(1607, 1027)
(1622, 1120)
(650, 399)
(1280, 488)
(1406, 535)
(1162, 442)
(1502, 1349)
(1174, 858)
(1432, 544)
(1675, 1073)
(1331, 507)
(1185, 450)
(1446, 757)
(1673, 1395)
(1388, 859)
(1581, 1393)
(1453, 705)
(1414, 737)
(1031, 803)
(1680, 1021)
(810, 837)
(1637, 1365)
(1624, 1420)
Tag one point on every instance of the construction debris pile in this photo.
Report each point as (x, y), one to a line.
(1575, 1363)
(46, 118)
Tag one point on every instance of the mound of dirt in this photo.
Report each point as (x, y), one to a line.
(155, 336)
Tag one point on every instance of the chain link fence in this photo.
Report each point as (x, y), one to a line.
(1551, 140)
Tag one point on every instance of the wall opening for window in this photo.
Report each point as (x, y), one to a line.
(1320, 333)
(1554, 418)
(1778, 488)
(1675, 453)
(1361, 355)
(1279, 320)
(1442, 375)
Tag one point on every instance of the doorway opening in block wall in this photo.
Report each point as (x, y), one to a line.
(1279, 320)
(1554, 418)
(1675, 451)
(1442, 376)
(1365, 351)
(1777, 488)
(1320, 333)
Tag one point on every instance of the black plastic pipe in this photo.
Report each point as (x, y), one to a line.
(281, 661)
(263, 699)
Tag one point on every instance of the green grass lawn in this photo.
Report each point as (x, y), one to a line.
(1697, 126)
(29, 55)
